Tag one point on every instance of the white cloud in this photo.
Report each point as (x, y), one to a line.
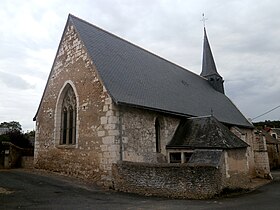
(13, 81)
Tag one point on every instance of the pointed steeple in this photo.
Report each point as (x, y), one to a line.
(208, 63)
(209, 70)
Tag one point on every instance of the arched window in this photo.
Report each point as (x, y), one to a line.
(157, 131)
(68, 118)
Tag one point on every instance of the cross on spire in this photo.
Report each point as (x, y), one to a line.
(203, 19)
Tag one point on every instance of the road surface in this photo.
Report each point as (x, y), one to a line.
(23, 189)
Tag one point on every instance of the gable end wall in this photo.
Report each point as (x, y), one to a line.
(97, 131)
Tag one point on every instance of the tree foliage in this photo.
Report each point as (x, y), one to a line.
(30, 134)
(13, 125)
(17, 138)
(267, 123)
(15, 135)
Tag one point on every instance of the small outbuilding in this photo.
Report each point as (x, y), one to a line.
(203, 141)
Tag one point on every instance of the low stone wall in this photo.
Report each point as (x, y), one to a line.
(12, 156)
(27, 162)
(167, 180)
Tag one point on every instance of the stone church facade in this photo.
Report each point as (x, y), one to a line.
(83, 127)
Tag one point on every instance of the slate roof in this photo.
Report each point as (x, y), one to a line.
(204, 132)
(138, 78)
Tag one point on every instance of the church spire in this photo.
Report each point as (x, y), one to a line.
(208, 63)
(209, 70)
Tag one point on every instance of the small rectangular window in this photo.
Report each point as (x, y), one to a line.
(157, 130)
(175, 157)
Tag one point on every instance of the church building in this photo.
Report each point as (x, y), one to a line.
(107, 101)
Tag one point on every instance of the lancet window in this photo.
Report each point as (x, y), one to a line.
(68, 118)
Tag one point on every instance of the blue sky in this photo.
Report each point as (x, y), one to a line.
(244, 36)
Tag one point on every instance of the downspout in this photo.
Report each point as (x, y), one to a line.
(121, 133)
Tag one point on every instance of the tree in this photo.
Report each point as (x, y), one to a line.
(30, 134)
(15, 135)
(267, 123)
(17, 138)
(13, 125)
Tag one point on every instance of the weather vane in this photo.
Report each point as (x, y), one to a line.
(203, 19)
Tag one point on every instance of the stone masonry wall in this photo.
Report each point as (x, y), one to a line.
(97, 134)
(12, 155)
(139, 135)
(236, 169)
(247, 135)
(168, 180)
(273, 155)
(261, 157)
(257, 155)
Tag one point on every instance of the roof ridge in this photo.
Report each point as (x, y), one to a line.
(129, 42)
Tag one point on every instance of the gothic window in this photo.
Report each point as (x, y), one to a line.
(157, 130)
(68, 118)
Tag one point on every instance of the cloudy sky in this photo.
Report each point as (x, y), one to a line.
(244, 36)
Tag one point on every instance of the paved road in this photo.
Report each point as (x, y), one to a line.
(21, 189)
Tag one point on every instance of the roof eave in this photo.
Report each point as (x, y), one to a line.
(172, 112)
(202, 147)
(152, 109)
